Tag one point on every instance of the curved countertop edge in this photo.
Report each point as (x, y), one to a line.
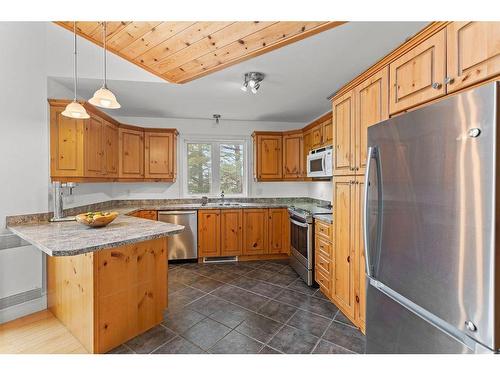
(325, 218)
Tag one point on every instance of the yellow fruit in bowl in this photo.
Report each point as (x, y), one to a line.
(96, 219)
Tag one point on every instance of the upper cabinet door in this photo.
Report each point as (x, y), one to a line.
(327, 133)
(317, 136)
(131, 151)
(343, 137)
(269, 157)
(293, 156)
(473, 53)
(66, 144)
(372, 106)
(110, 139)
(159, 155)
(418, 76)
(94, 152)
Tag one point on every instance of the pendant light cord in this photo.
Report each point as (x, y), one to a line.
(75, 83)
(104, 51)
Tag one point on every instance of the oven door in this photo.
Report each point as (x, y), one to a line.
(315, 165)
(301, 242)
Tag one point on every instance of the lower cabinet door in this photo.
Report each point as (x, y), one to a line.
(279, 231)
(231, 232)
(255, 224)
(209, 233)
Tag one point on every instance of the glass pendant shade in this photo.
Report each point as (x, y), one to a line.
(75, 110)
(104, 98)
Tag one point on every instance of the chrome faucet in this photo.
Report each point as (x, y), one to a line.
(57, 196)
(222, 196)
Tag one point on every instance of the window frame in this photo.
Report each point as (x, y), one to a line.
(215, 183)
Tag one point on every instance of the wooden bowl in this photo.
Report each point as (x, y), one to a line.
(96, 219)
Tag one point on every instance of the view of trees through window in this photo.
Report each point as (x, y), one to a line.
(214, 167)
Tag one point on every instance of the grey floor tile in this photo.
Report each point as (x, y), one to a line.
(272, 267)
(256, 286)
(293, 298)
(182, 275)
(289, 271)
(230, 315)
(174, 287)
(309, 322)
(236, 343)
(241, 297)
(181, 320)
(300, 286)
(150, 340)
(277, 311)
(178, 345)
(122, 349)
(206, 333)
(320, 307)
(346, 336)
(291, 340)
(208, 304)
(282, 279)
(259, 327)
(184, 297)
(325, 347)
(340, 317)
(259, 274)
(224, 276)
(268, 350)
(319, 294)
(205, 284)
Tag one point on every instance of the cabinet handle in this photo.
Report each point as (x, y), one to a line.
(448, 80)
(357, 299)
(348, 259)
(436, 85)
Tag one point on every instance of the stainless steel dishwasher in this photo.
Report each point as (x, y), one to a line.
(185, 244)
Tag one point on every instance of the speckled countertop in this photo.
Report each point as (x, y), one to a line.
(326, 218)
(72, 238)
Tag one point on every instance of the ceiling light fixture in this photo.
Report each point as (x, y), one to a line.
(216, 117)
(75, 109)
(103, 97)
(252, 81)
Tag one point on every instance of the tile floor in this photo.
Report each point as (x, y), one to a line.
(248, 307)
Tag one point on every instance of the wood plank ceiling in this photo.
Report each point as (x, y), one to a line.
(183, 51)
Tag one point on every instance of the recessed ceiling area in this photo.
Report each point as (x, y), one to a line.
(298, 77)
(180, 52)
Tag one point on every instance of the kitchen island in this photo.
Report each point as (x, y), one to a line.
(106, 285)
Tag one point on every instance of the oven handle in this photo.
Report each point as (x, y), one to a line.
(298, 223)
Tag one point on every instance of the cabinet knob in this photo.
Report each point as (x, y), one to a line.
(436, 85)
(348, 259)
(448, 80)
(357, 299)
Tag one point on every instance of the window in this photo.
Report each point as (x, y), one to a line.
(215, 166)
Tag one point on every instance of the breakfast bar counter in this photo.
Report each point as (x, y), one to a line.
(106, 285)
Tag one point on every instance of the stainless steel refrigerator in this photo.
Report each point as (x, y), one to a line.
(431, 232)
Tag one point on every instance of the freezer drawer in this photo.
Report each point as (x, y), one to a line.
(185, 244)
(392, 328)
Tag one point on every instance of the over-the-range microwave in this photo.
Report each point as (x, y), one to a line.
(320, 163)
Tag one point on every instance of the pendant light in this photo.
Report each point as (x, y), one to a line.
(103, 97)
(75, 109)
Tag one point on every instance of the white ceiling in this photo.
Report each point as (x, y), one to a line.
(299, 77)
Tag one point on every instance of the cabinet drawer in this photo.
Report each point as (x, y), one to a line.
(323, 229)
(323, 281)
(323, 247)
(323, 264)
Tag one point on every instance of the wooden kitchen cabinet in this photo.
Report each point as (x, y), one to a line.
(146, 214)
(231, 229)
(473, 53)
(209, 233)
(94, 153)
(328, 132)
(418, 75)
(343, 138)
(343, 246)
(110, 149)
(323, 258)
(279, 231)
(293, 156)
(255, 233)
(317, 136)
(268, 157)
(131, 152)
(371, 103)
(160, 154)
(66, 144)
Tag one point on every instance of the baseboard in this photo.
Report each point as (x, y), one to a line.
(23, 309)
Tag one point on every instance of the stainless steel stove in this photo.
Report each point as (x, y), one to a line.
(302, 239)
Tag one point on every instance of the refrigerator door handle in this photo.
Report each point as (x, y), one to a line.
(371, 154)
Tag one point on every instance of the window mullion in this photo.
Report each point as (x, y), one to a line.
(215, 168)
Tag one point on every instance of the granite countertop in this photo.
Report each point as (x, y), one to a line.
(326, 218)
(71, 238)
